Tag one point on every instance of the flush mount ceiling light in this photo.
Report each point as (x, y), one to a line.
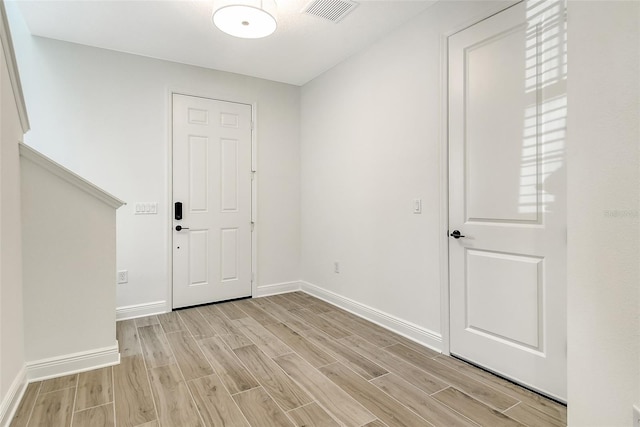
(248, 19)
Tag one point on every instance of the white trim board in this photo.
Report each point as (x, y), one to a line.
(141, 310)
(73, 363)
(65, 174)
(11, 401)
(12, 67)
(443, 221)
(276, 288)
(409, 330)
(254, 200)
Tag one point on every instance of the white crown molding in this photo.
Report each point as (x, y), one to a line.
(12, 67)
(11, 401)
(73, 363)
(408, 330)
(72, 178)
(141, 310)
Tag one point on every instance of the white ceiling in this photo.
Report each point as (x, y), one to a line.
(302, 47)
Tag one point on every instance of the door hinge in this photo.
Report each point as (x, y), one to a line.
(252, 124)
(253, 225)
(253, 175)
(253, 277)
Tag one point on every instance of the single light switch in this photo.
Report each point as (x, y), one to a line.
(417, 206)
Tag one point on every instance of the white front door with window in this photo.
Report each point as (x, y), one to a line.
(507, 252)
(212, 189)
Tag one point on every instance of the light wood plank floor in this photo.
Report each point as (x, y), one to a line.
(285, 360)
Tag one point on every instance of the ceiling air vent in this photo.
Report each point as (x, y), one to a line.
(331, 10)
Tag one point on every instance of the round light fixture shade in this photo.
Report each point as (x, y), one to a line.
(248, 19)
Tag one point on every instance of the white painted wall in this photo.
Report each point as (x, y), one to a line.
(371, 138)
(106, 116)
(11, 316)
(603, 207)
(69, 262)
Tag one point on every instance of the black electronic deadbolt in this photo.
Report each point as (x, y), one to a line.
(178, 211)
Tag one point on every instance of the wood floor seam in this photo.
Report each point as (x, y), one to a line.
(464, 416)
(146, 370)
(544, 405)
(33, 406)
(284, 411)
(53, 391)
(75, 398)
(113, 387)
(511, 407)
(244, 391)
(239, 409)
(436, 392)
(193, 399)
(184, 380)
(454, 410)
(93, 407)
(404, 405)
(299, 407)
(378, 377)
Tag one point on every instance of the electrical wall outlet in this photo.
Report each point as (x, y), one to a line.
(336, 267)
(123, 276)
(636, 416)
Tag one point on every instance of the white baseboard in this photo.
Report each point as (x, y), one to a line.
(276, 288)
(73, 363)
(11, 400)
(141, 310)
(409, 330)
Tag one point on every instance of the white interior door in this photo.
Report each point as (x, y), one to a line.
(507, 109)
(212, 181)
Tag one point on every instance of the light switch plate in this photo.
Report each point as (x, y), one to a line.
(636, 416)
(146, 208)
(417, 206)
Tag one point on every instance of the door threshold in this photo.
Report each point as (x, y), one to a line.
(211, 303)
(526, 387)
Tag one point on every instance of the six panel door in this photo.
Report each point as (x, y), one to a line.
(212, 180)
